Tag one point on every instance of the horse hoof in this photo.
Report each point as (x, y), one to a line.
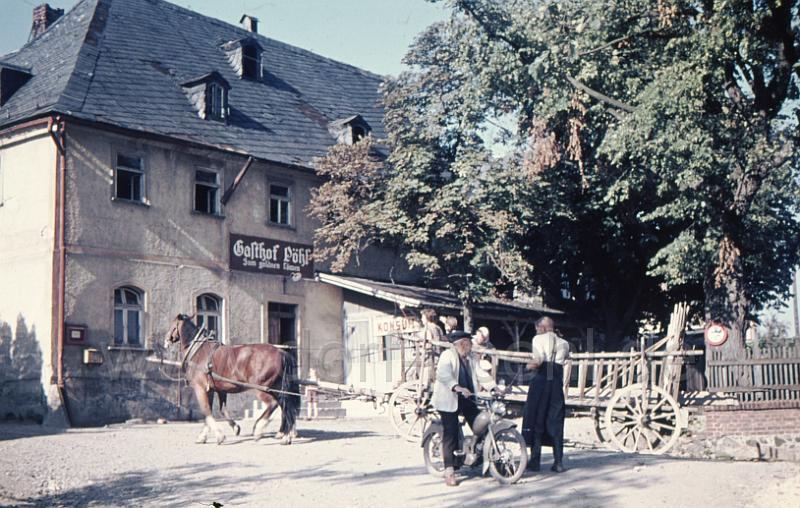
(220, 440)
(200, 440)
(236, 430)
(286, 441)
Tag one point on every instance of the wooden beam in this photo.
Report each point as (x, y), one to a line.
(236, 181)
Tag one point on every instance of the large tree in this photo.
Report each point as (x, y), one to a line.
(652, 151)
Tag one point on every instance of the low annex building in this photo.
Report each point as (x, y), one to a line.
(154, 161)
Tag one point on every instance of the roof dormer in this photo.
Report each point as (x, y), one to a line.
(244, 55)
(12, 77)
(349, 130)
(209, 95)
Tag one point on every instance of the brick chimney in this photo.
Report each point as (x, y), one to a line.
(43, 17)
(249, 23)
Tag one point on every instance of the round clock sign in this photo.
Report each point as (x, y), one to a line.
(716, 335)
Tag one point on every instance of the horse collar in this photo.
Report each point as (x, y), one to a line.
(194, 346)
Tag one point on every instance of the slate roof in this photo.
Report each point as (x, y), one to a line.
(122, 62)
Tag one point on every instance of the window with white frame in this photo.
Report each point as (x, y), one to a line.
(129, 178)
(280, 204)
(206, 191)
(217, 102)
(128, 312)
(209, 313)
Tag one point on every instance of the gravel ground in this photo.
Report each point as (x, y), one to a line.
(347, 463)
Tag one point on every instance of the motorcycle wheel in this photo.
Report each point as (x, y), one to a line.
(434, 458)
(507, 457)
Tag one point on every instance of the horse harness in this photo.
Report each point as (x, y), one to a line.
(200, 338)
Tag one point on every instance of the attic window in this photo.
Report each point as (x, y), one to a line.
(251, 62)
(217, 103)
(358, 133)
(244, 56)
(349, 130)
(209, 96)
(12, 78)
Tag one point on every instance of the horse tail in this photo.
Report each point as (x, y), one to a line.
(289, 395)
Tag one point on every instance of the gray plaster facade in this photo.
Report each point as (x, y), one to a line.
(112, 83)
(172, 255)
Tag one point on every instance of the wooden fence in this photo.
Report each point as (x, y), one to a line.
(762, 374)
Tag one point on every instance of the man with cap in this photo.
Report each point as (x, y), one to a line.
(457, 378)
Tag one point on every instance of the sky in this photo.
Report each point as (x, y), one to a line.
(371, 34)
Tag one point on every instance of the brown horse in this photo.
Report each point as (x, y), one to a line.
(252, 364)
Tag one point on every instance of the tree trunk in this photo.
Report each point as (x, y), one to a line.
(466, 310)
(727, 303)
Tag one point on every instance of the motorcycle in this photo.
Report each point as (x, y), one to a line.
(495, 443)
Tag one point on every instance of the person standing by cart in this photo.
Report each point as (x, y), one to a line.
(457, 378)
(430, 332)
(543, 419)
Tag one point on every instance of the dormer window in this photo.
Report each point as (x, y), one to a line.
(209, 96)
(217, 104)
(12, 78)
(244, 55)
(349, 130)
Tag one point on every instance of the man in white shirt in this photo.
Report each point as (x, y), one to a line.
(457, 379)
(543, 421)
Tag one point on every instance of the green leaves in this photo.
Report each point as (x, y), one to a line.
(642, 134)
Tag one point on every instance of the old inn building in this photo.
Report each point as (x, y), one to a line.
(154, 161)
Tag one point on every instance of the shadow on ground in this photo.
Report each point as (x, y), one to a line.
(585, 484)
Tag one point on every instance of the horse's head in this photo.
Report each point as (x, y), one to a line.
(181, 330)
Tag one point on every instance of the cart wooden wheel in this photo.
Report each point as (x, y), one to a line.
(409, 412)
(641, 419)
(599, 427)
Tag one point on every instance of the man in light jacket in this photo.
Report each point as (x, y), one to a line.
(457, 378)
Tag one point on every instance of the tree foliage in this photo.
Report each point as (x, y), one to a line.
(651, 156)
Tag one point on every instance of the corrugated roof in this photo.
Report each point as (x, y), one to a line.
(122, 62)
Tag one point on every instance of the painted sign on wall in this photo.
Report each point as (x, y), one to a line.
(265, 255)
(388, 325)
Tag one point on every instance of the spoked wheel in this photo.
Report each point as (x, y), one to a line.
(410, 413)
(641, 419)
(507, 457)
(599, 427)
(434, 454)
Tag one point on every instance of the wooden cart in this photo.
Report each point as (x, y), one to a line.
(632, 396)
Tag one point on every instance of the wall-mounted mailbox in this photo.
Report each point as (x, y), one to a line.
(92, 356)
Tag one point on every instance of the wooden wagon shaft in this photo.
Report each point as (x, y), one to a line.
(155, 359)
(325, 385)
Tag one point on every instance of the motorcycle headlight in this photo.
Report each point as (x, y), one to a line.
(498, 408)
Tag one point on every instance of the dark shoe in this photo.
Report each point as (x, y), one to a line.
(535, 456)
(450, 478)
(558, 468)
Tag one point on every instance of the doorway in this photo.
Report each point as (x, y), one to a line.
(281, 326)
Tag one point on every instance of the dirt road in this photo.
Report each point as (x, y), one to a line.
(345, 463)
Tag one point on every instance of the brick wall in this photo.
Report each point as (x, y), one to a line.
(769, 418)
